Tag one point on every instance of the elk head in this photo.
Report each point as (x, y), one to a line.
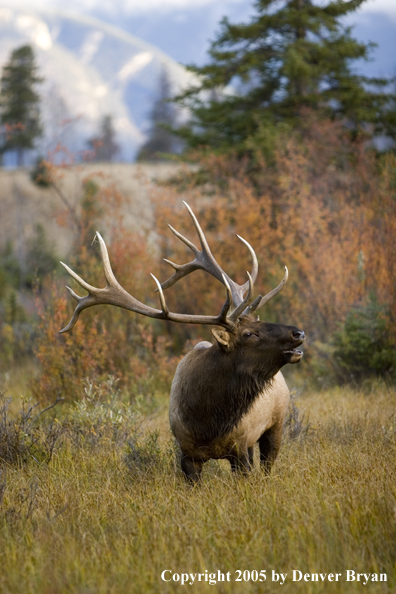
(253, 337)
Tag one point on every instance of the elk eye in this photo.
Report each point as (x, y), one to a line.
(247, 334)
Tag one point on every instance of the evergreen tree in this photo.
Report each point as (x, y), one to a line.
(162, 117)
(19, 102)
(104, 145)
(292, 55)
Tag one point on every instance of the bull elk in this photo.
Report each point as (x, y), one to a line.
(225, 396)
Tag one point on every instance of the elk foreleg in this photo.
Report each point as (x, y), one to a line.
(191, 468)
(242, 462)
(269, 444)
(251, 456)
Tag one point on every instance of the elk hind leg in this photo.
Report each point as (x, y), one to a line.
(269, 444)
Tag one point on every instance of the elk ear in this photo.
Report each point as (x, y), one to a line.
(223, 338)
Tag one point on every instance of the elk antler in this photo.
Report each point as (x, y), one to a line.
(204, 260)
(114, 294)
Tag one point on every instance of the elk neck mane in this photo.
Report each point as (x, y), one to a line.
(223, 392)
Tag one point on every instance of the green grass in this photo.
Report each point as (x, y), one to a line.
(105, 517)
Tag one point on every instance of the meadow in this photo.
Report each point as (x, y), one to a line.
(91, 496)
(93, 500)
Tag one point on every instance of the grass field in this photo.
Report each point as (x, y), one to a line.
(99, 506)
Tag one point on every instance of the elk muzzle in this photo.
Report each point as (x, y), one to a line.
(294, 355)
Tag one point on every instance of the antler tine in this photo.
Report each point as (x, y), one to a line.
(73, 294)
(227, 304)
(184, 269)
(242, 306)
(78, 279)
(181, 271)
(108, 271)
(188, 243)
(82, 302)
(203, 260)
(77, 311)
(221, 319)
(254, 259)
(110, 278)
(164, 306)
(92, 297)
(257, 304)
(175, 266)
(73, 321)
(202, 238)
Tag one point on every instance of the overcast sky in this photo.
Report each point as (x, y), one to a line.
(144, 6)
(184, 28)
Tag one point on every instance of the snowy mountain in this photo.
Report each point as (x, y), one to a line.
(91, 69)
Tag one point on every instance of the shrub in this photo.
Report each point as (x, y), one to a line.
(103, 342)
(100, 415)
(40, 174)
(363, 345)
(22, 438)
(10, 272)
(41, 260)
(16, 331)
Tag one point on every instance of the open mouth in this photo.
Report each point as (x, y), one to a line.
(294, 355)
(293, 352)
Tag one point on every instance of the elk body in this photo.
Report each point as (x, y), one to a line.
(225, 396)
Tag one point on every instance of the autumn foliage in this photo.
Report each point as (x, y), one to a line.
(325, 208)
(105, 341)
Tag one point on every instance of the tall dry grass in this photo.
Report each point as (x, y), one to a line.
(110, 511)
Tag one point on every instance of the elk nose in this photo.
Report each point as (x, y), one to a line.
(298, 334)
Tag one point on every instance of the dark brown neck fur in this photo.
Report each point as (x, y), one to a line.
(223, 393)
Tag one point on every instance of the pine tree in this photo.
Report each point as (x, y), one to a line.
(161, 140)
(104, 145)
(292, 55)
(19, 102)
